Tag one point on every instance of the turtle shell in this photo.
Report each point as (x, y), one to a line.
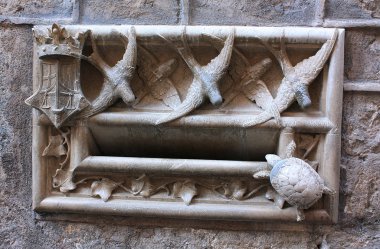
(297, 182)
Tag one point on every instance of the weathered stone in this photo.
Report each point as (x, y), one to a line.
(353, 9)
(130, 12)
(361, 158)
(273, 12)
(362, 55)
(36, 9)
(366, 236)
(15, 159)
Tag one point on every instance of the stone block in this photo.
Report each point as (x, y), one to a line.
(360, 175)
(352, 9)
(272, 12)
(36, 12)
(362, 55)
(15, 139)
(130, 12)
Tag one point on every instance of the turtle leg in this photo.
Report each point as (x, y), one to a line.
(328, 191)
(279, 201)
(271, 194)
(300, 214)
(264, 174)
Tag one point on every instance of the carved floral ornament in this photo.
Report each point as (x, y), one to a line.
(167, 78)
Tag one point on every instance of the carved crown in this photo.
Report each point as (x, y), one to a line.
(59, 42)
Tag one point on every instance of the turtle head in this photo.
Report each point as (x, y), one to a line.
(272, 160)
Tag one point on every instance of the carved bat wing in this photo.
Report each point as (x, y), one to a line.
(164, 90)
(308, 69)
(218, 66)
(257, 91)
(129, 60)
(237, 58)
(194, 99)
(161, 89)
(146, 61)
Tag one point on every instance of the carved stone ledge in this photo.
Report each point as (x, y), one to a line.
(199, 122)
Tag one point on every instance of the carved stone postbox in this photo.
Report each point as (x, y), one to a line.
(200, 122)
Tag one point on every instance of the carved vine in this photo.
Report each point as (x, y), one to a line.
(59, 147)
(186, 189)
(299, 185)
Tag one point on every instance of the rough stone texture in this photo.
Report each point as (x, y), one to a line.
(271, 12)
(130, 11)
(15, 163)
(362, 55)
(352, 9)
(358, 225)
(361, 158)
(36, 8)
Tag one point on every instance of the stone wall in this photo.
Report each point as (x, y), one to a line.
(359, 213)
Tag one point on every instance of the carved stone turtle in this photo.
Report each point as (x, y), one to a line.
(295, 181)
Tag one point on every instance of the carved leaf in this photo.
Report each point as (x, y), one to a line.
(142, 186)
(55, 147)
(103, 188)
(235, 189)
(185, 190)
(137, 185)
(64, 180)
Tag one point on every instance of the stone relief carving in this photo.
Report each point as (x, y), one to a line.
(186, 189)
(156, 79)
(117, 78)
(187, 95)
(59, 95)
(294, 180)
(205, 78)
(294, 85)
